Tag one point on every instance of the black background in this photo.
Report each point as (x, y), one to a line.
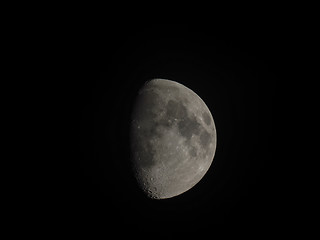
(233, 68)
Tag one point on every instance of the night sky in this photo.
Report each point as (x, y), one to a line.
(233, 69)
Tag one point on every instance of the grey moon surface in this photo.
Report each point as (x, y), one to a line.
(172, 138)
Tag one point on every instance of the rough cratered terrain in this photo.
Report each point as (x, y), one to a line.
(173, 138)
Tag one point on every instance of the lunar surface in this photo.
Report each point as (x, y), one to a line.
(173, 138)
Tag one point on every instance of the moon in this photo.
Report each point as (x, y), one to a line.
(172, 138)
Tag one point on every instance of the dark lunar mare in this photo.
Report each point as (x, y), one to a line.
(176, 111)
(187, 126)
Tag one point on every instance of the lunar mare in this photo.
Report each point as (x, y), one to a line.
(173, 138)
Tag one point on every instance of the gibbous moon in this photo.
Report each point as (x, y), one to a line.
(173, 138)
